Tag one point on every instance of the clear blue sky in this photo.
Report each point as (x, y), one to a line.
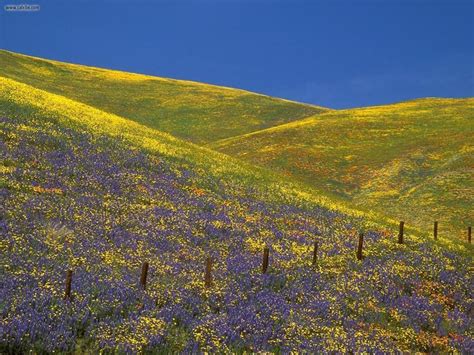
(333, 53)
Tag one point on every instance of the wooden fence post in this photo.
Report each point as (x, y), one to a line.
(315, 252)
(359, 247)
(207, 274)
(266, 252)
(144, 275)
(67, 293)
(400, 232)
(469, 230)
(435, 230)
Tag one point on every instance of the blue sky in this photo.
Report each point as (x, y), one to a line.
(331, 53)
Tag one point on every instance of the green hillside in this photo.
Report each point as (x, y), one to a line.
(193, 111)
(411, 160)
(97, 194)
(94, 195)
(405, 161)
(21, 100)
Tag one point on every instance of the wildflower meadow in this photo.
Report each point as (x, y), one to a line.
(73, 199)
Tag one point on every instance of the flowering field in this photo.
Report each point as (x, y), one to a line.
(412, 159)
(74, 198)
(86, 190)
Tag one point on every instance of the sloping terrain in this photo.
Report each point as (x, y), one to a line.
(90, 191)
(411, 161)
(193, 111)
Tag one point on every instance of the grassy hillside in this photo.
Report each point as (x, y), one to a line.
(411, 161)
(193, 111)
(90, 191)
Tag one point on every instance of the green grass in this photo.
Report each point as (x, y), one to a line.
(196, 112)
(97, 193)
(100, 193)
(411, 161)
(21, 100)
(408, 161)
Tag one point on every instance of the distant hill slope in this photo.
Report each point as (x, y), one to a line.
(193, 111)
(412, 160)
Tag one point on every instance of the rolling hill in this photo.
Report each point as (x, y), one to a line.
(412, 160)
(193, 111)
(88, 190)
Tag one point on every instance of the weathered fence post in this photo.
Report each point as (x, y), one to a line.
(359, 247)
(67, 292)
(315, 252)
(207, 274)
(144, 275)
(469, 230)
(266, 252)
(400, 232)
(435, 230)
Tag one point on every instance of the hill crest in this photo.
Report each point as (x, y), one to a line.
(194, 111)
